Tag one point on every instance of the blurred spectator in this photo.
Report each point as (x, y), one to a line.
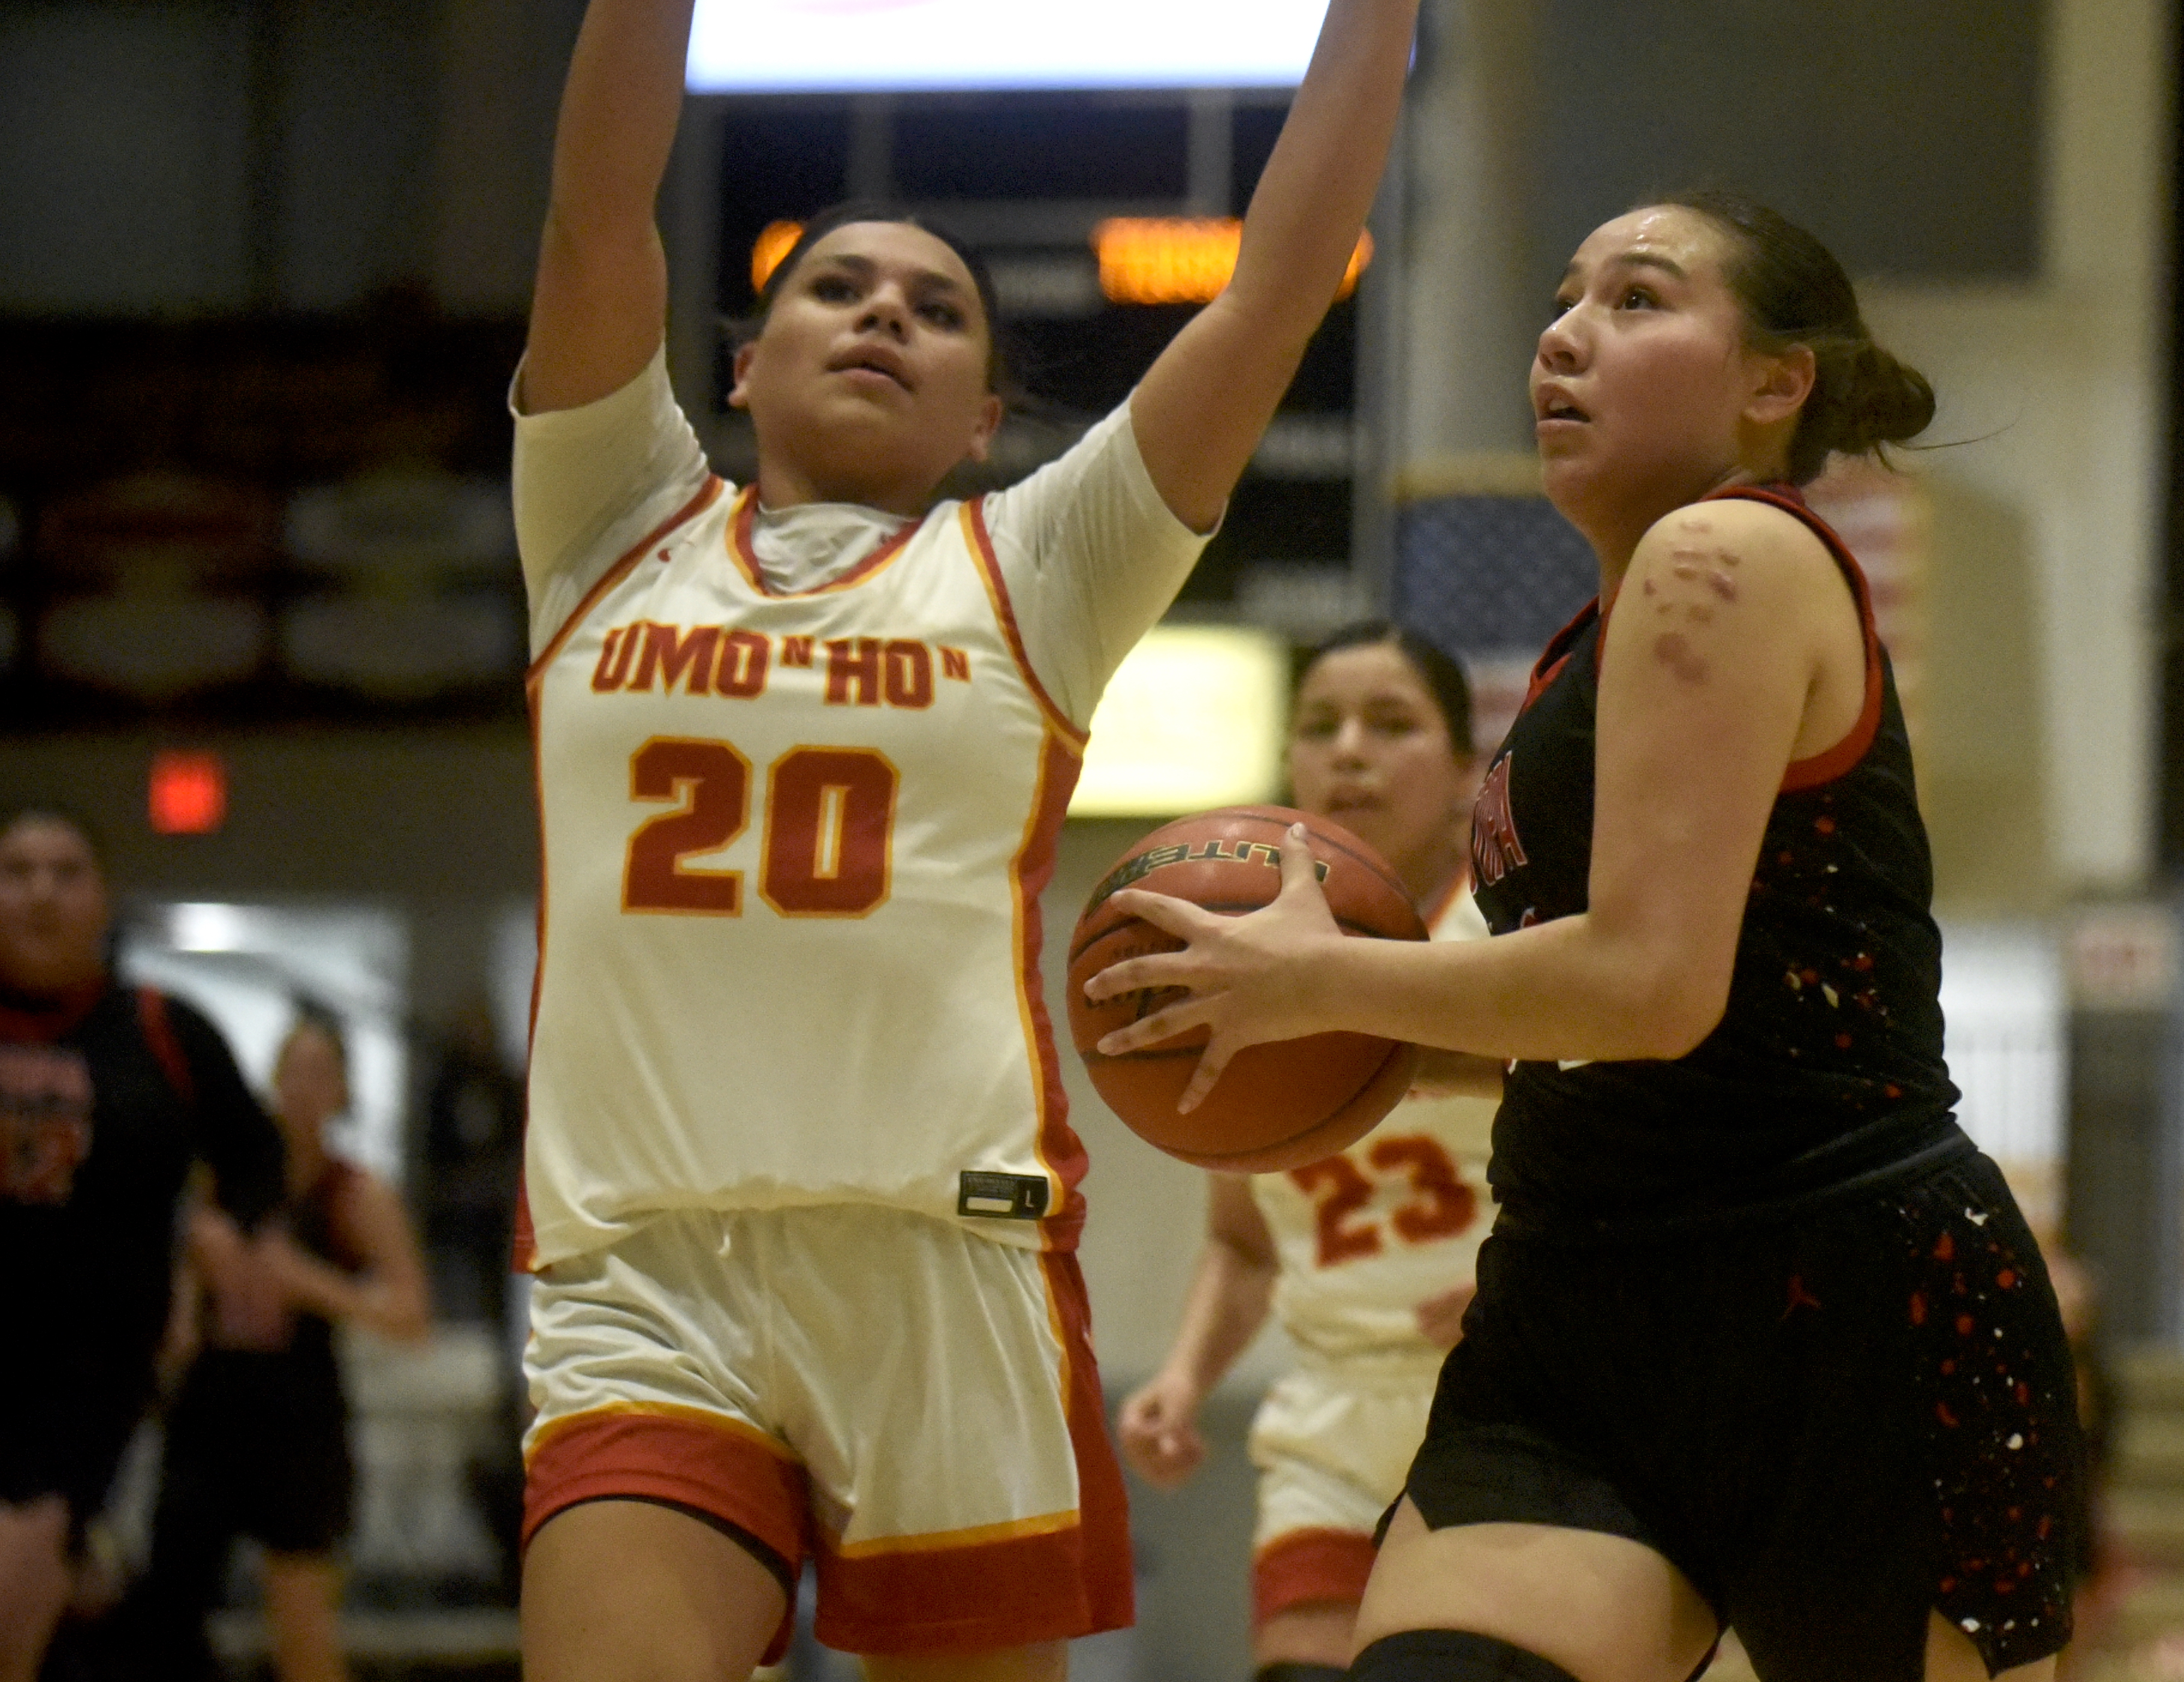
(256, 1443)
(473, 1150)
(107, 1095)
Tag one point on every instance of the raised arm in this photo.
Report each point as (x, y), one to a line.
(600, 309)
(1227, 1304)
(1205, 404)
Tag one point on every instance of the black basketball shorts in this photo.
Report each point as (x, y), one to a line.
(255, 1447)
(66, 1416)
(1830, 1422)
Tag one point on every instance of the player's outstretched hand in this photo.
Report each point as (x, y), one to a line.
(1246, 975)
(1440, 1318)
(1158, 1429)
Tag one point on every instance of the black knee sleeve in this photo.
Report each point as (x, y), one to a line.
(1289, 1671)
(1452, 1656)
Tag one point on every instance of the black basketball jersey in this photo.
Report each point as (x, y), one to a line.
(316, 1221)
(107, 1096)
(1826, 1067)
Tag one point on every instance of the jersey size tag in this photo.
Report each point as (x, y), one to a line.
(1001, 1197)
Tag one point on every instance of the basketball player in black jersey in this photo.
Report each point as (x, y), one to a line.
(109, 1095)
(1760, 1338)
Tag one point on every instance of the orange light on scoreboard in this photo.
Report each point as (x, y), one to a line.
(188, 792)
(1143, 260)
(775, 242)
(1181, 260)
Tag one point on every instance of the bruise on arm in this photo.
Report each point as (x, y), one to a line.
(1697, 582)
(1701, 691)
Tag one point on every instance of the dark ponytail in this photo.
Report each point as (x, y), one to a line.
(1794, 292)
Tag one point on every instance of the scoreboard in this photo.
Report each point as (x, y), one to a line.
(846, 45)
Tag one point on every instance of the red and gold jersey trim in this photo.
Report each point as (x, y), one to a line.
(685, 1457)
(990, 569)
(620, 570)
(1004, 1585)
(941, 1541)
(666, 1410)
(1059, 1149)
(744, 554)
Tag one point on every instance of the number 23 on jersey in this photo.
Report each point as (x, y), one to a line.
(1439, 1205)
(829, 829)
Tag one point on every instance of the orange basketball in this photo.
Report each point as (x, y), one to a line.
(1276, 1105)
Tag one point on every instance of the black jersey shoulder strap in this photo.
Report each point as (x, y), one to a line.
(1830, 763)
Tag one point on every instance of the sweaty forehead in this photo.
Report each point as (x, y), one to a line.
(893, 247)
(1669, 231)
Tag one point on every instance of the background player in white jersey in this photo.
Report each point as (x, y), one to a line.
(799, 1188)
(1367, 1257)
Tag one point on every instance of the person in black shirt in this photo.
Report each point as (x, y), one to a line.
(108, 1095)
(1759, 1337)
(257, 1441)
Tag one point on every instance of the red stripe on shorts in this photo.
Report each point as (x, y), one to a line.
(1059, 1577)
(1307, 1567)
(681, 1455)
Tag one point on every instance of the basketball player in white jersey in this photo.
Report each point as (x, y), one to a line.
(801, 1194)
(1367, 1257)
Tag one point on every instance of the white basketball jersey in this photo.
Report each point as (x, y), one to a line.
(1363, 1238)
(794, 846)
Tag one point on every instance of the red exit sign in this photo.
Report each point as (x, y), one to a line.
(188, 792)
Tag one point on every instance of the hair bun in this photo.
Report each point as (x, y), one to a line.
(1863, 399)
(1888, 401)
(1794, 292)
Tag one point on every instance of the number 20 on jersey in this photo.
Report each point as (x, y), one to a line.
(829, 830)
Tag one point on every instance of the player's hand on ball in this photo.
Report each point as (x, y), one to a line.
(1158, 1429)
(1246, 975)
(1440, 1318)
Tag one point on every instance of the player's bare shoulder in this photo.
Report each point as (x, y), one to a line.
(1731, 551)
(1735, 571)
